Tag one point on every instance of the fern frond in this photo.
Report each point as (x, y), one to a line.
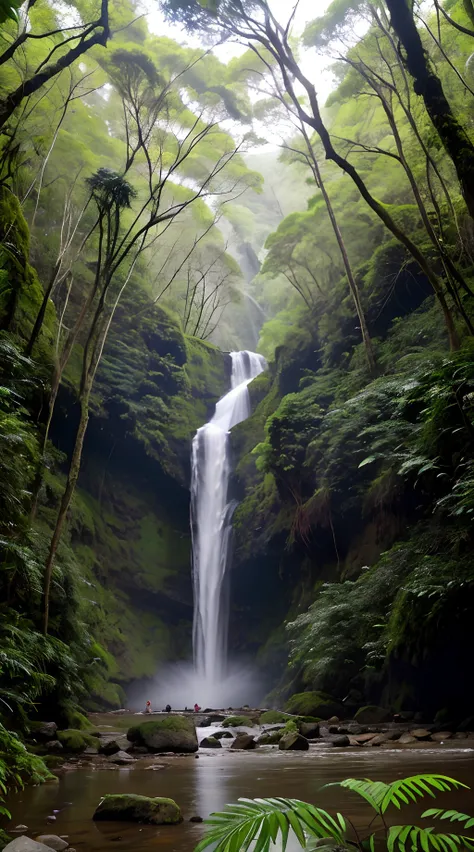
(425, 840)
(264, 821)
(415, 787)
(453, 816)
(372, 791)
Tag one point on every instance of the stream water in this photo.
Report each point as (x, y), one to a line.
(211, 515)
(204, 785)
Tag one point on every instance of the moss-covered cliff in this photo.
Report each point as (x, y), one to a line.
(125, 557)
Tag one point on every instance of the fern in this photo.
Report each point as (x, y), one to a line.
(453, 816)
(263, 822)
(425, 839)
(266, 820)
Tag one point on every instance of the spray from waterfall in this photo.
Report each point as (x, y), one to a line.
(211, 516)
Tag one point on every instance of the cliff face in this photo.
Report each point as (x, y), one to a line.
(126, 552)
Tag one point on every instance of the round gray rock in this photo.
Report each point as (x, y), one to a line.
(26, 844)
(53, 841)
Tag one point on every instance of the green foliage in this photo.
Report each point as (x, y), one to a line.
(237, 721)
(269, 821)
(312, 704)
(272, 717)
(77, 741)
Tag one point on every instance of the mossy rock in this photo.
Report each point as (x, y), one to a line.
(315, 704)
(132, 808)
(52, 761)
(170, 733)
(373, 715)
(273, 717)
(77, 741)
(238, 722)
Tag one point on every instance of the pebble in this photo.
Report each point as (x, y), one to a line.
(51, 818)
(196, 819)
(19, 828)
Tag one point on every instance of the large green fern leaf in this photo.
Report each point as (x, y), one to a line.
(415, 839)
(415, 787)
(265, 821)
(452, 816)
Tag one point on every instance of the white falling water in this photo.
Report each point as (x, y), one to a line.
(211, 515)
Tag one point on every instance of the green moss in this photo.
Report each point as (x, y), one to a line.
(290, 728)
(130, 807)
(272, 717)
(77, 741)
(237, 721)
(52, 761)
(166, 723)
(313, 704)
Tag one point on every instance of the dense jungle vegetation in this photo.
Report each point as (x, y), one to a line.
(144, 233)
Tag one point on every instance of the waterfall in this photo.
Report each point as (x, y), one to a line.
(211, 515)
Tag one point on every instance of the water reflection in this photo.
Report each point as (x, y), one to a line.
(221, 776)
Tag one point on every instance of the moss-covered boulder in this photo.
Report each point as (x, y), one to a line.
(273, 717)
(316, 704)
(77, 741)
(131, 808)
(210, 742)
(237, 722)
(170, 733)
(373, 715)
(293, 742)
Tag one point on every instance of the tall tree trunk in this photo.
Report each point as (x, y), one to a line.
(72, 478)
(369, 349)
(428, 85)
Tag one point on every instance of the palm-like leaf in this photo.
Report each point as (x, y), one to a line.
(267, 820)
(380, 796)
(425, 840)
(452, 816)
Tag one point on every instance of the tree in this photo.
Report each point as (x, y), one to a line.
(257, 26)
(428, 86)
(63, 47)
(161, 150)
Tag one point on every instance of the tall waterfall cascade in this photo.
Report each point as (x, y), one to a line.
(211, 516)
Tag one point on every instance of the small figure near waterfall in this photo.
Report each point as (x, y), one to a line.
(147, 707)
(168, 708)
(196, 708)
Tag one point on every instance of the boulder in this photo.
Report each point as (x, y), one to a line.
(310, 730)
(244, 741)
(53, 841)
(363, 739)
(210, 742)
(112, 743)
(313, 704)
(214, 719)
(44, 730)
(441, 736)
(372, 715)
(53, 746)
(341, 741)
(121, 757)
(334, 720)
(421, 734)
(223, 735)
(175, 734)
(270, 737)
(123, 806)
(293, 742)
(407, 739)
(77, 741)
(26, 844)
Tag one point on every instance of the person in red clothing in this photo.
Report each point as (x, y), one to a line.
(148, 707)
(196, 708)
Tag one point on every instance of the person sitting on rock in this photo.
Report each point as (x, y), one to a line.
(168, 708)
(196, 708)
(148, 707)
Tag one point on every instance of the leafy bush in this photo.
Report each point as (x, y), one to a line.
(237, 721)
